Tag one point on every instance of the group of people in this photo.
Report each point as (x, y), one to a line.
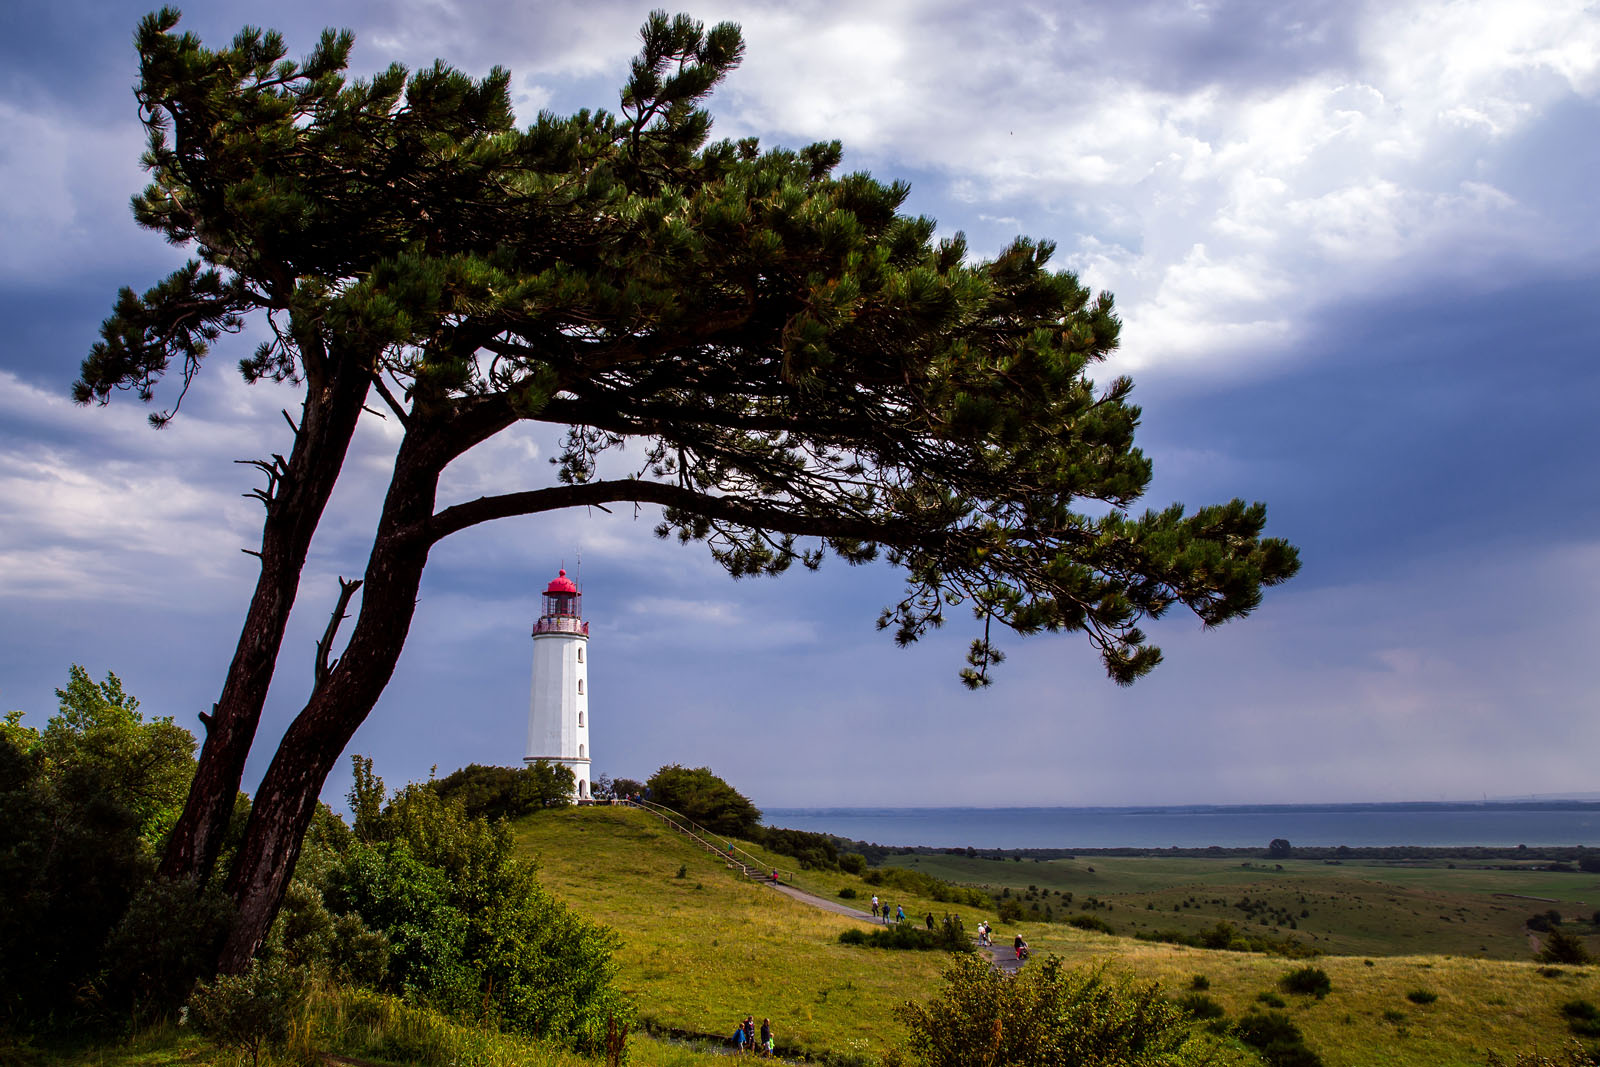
(747, 1039)
(881, 911)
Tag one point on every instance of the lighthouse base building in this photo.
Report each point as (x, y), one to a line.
(558, 707)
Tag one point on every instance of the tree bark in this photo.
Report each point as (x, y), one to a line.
(294, 508)
(287, 797)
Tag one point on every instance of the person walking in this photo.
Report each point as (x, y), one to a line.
(899, 914)
(874, 907)
(766, 1038)
(930, 920)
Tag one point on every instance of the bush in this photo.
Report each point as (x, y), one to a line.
(951, 936)
(470, 930)
(1270, 999)
(1090, 922)
(702, 797)
(1562, 947)
(1199, 981)
(1583, 1018)
(926, 886)
(250, 1011)
(847, 893)
(1309, 981)
(1045, 1015)
(1277, 1039)
(88, 802)
(852, 863)
(1199, 1006)
(1422, 996)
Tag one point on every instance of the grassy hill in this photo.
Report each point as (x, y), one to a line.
(702, 950)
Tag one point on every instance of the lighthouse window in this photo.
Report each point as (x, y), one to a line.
(580, 686)
(580, 718)
(580, 654)
(580, 751)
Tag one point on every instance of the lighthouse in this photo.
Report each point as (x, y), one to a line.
(558, 709)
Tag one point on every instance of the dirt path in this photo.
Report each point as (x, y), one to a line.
(1002, 957)
(819, 902)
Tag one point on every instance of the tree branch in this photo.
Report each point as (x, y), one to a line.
(763, 516)
(324, 646)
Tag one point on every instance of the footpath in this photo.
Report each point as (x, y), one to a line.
(1001, 956)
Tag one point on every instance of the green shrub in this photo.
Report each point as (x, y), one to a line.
(951, 936)
(1582, 1017)
(926, 886)
(1045, 1015)
(251, 1011)
(1309, 981)
(1270, 999)
(852, 863)
(1422, 996)
(1090, 922)
(847, 893)
(1562, 947)
(88, 801)
(470, 930)
(1199, 981)
(1276, 1039)
(1199, 1006)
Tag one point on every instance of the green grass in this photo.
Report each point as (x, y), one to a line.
(1353, 908)
(700, 952)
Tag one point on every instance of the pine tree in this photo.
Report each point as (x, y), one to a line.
(804, 370)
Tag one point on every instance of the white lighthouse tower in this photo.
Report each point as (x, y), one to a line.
(558, 710)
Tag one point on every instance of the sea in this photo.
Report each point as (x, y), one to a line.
(1232, 826)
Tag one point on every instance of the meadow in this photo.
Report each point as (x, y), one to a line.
(699, 947)
(701, 950)
(1355, 907)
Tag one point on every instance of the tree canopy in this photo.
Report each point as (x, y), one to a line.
(765, 348)
(702, 797)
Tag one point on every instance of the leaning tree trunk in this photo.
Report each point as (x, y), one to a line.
(296, 496)
(287, 797)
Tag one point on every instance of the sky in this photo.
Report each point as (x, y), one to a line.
(1355, 248)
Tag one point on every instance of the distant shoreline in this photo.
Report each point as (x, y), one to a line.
(1200, 829)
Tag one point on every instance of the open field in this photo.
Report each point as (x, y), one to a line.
(1358, 907)
(699, 952)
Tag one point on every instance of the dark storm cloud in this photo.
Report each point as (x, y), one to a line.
(1410, 425)
(1418, 417)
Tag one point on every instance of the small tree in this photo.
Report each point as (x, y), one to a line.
(1562, 947)
(250, 1011)
(704, 798)
(1279, 848)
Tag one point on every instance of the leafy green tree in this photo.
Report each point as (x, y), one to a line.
(87, 801)
(1045, 1016)
(468, 927)
(507, 792)
(1279, 848)
(803, 369)
(704, 798)
(1562, 947)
